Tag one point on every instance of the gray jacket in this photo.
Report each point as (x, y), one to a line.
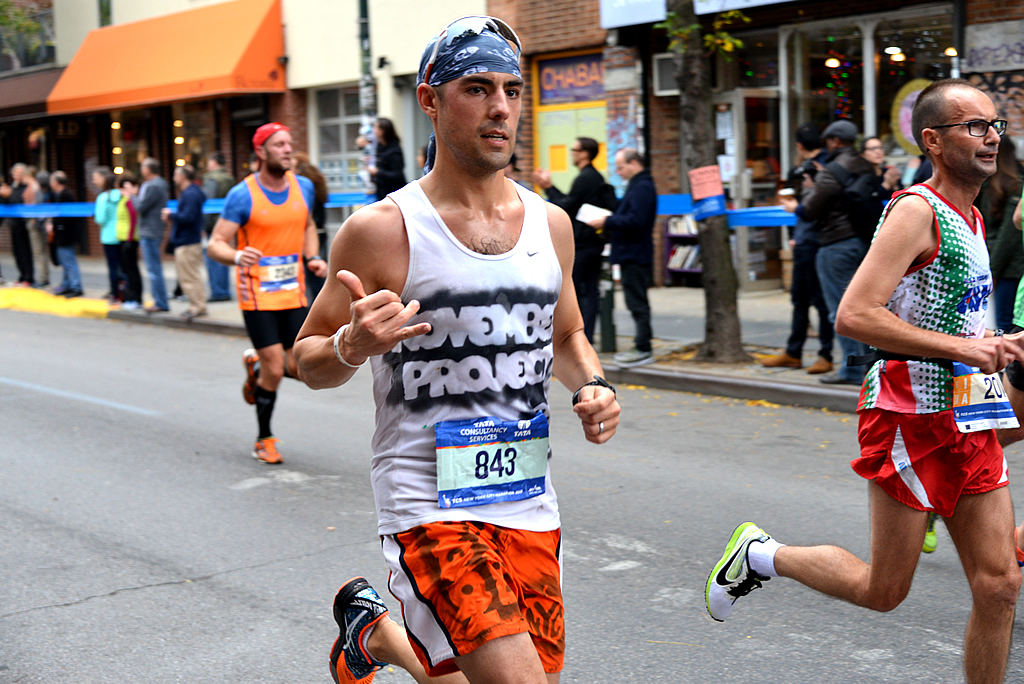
(153, 196)
(825, 202)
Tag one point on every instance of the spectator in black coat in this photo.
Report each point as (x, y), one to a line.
(587, 188)
(65, 232)
(389, 173)
(630, 230)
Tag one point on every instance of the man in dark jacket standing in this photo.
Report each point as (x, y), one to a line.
(153, 195)
(587, 188)
(630, 231)
(187, 239)
(841, 250)
(65, 232)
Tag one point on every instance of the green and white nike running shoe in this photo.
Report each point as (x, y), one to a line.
(931, 540)
(732, 577)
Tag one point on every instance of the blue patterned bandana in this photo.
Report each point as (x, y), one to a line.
(466, 52)
(471, 45)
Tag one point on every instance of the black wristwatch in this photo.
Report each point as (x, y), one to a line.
(315, 257)
(599, 381)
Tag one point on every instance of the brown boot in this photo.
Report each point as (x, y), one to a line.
(782, 360)
(822, 365)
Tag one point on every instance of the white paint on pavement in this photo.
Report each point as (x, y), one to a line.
(78, 397)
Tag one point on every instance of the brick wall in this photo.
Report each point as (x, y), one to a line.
(985, 11)
(290, 109)
(552, 26)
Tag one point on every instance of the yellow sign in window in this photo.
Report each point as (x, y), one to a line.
(559, 158)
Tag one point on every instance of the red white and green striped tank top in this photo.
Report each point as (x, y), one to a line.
(949, 294)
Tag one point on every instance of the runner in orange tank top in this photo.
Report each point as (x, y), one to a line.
(268, 216)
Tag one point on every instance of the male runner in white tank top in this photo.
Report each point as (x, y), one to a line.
(458, 289)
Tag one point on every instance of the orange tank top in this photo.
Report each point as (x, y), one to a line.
(278, 230)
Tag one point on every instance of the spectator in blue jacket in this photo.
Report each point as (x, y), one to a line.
(187, 224)
(630, 232)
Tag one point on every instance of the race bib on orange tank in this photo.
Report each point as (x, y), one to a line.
(278, 281)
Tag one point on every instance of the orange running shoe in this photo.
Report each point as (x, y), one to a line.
(250, 359)
(266, 450)
(357, 607)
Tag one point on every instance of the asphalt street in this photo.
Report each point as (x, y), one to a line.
(139, 542)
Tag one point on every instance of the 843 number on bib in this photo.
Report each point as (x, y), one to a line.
(488, 460)
(501, 463)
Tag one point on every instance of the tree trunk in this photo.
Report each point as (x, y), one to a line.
(722, 338)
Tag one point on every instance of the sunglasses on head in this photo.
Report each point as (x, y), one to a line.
(470, 26)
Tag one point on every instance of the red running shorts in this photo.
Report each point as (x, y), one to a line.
(924, 462)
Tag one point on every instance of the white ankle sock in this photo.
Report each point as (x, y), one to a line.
(366, 637)
(761, 556)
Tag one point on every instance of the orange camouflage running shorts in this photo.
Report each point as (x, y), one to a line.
(462, 584)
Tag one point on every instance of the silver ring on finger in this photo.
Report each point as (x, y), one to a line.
(601, 427)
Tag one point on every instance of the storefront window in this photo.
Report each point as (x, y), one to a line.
(338, 122)
(758, 62)
(909, 50)
(129, 142)
(832, 77)
(833, 84)
(193, 134)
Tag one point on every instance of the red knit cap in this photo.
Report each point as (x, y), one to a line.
(264, 132)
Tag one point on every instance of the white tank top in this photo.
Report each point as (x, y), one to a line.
(489, 353)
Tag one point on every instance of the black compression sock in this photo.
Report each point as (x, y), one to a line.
(264, 409)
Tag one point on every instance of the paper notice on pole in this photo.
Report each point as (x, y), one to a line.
(723, 124)
(705, 182)
(589, 212)
(727, 164)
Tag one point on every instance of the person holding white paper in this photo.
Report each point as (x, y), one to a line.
(630, 231)
(587, 188)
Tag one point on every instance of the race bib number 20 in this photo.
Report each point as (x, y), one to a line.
(979, 401)
(487, 460)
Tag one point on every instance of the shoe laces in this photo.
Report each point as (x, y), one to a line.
(749, 584)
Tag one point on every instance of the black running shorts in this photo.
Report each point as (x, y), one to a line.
(267, 328)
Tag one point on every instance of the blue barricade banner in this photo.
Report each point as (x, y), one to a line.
(668, 205)
(708, 207)
(212, 206)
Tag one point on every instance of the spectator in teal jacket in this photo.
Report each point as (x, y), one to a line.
(106, 218)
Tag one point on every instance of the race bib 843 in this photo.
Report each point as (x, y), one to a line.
(487, 460)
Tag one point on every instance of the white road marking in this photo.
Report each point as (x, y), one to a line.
(78, 397)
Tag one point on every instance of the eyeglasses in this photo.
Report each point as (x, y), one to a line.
(470, 26)
(575, 149)
(979, 128)
(873, 148)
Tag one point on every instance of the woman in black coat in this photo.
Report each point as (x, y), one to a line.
(389, 173)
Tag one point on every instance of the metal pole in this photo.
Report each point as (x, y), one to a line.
(367, 85)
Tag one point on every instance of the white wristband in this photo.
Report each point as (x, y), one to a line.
(337, 350)
(238, 257)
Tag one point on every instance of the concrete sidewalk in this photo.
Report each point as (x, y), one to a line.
(678, 322)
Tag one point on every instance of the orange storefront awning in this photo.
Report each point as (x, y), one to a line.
(225, 49)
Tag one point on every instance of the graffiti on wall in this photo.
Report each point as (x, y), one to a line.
(1006, 88)
(995, 46)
